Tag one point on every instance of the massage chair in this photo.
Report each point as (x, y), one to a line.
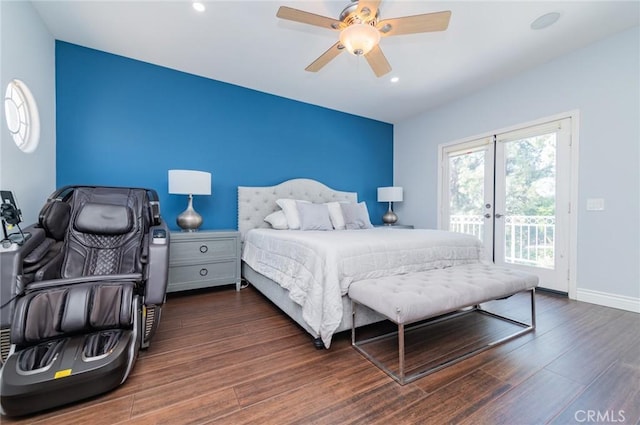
(81, 293)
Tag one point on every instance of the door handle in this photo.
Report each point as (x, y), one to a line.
(487, 215)
(499, 215)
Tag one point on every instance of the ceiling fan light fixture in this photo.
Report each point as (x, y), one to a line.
(361, 30)
(359, 39)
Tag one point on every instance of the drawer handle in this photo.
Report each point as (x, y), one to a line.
(204, 272)
(204, 248)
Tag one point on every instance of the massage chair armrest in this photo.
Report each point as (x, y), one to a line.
(11, 272)
(34, 236)
(157, 275)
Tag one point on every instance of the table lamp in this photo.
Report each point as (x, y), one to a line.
(189, 182)
(390, 194)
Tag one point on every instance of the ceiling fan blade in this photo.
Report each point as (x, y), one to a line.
(296, 15)
(325, 58)
(429, 22)
(371, 5)
(378, 62)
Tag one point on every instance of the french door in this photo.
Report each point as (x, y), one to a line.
(512, 191)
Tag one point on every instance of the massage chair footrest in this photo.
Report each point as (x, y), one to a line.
(71, 369)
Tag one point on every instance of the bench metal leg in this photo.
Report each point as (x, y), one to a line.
(401, 377)
(401, 352)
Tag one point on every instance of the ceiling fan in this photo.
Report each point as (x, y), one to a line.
(361, 29)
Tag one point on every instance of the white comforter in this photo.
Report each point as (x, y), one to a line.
(317, 267)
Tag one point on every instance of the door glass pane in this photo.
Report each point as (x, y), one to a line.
(466, 193)
(530, 199)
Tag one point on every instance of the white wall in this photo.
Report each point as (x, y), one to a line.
(28, 54)
(602, 82)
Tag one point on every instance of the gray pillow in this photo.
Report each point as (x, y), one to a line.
(314, 216)
(356, 216)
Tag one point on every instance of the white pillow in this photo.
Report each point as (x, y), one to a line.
(314, 216)
(277, 220)
(335, 214)
(356, 216)
(291, 212)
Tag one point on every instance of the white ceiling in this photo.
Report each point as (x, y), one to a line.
(243, 43)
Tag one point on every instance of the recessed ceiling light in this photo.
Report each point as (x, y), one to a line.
(394, 79)
(545, 21)
(198, 6)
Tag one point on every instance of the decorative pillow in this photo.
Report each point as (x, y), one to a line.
(291, 212)
(335, 213)
(277, 220)
(356, 216)
(314, 216)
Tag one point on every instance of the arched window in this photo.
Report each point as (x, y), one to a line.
(21, 114)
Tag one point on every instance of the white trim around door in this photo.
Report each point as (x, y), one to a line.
(482, 149)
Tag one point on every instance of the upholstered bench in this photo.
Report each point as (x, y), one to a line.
(439, 293)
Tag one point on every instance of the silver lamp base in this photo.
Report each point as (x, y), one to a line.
(389, 218)
(189, 220)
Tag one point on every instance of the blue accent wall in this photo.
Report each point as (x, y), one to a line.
(123, 122)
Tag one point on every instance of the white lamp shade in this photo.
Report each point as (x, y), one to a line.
(390, 194)
(189, 182)
(360, 39)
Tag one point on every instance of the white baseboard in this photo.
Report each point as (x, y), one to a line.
(609, 300)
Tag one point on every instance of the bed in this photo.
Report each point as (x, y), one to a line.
(307, 273)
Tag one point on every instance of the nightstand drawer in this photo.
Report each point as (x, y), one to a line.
(204, 259)
(203, 250)
(194, 275)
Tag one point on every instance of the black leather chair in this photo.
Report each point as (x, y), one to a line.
(87, 288)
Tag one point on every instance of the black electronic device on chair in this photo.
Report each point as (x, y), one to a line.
(11, 216)
(10, 212)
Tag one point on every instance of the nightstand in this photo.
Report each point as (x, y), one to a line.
(395, 226)
(204, 259)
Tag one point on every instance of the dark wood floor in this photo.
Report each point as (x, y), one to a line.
(222, 357)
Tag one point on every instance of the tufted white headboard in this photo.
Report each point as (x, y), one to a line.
(255, 203)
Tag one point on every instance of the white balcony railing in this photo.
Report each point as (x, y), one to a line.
(529, 240)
